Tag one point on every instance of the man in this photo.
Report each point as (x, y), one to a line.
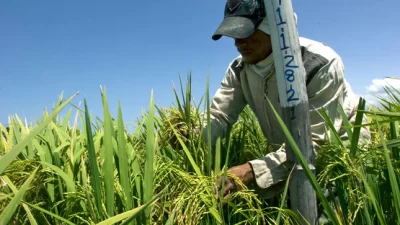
(251, 76)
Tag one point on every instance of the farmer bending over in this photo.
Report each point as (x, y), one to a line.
(251, 76)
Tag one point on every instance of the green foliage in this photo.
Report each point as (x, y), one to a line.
(164, 173)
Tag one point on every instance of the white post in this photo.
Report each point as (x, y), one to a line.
(291, 79)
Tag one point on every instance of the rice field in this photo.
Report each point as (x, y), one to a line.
(93, 171)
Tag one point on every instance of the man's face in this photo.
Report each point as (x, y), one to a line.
(255, 48)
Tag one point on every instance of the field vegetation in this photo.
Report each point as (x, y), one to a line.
(93, 171)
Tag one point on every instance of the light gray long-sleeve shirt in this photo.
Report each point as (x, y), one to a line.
(326, 88)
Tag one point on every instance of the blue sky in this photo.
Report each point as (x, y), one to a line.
(133, 47)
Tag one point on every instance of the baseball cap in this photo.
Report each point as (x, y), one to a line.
(241, 18)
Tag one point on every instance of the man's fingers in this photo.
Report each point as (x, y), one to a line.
(220, 181)
(227, 188)
(227, 197)
(215, 190)
(228, 185)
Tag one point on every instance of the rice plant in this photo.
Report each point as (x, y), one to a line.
(93, 171)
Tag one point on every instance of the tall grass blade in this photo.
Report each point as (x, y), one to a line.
(332, 130)
(209, 155)
(395, 115)
(188, 101)
(182, 93)
(6, 159)
(343, 199)
(187, 152)
(367, 219)
(378, 209)
(217, 165)
(283, 198)
(90, 204)
(149, 164)
(93, 167)
(17, 135)
(131, 214)
(346, 122)
(393, 179)
(356, 132)
(49, 213)
(14, 189)
(306, 168)
(137, 176)
(171, 218)
(65, 120)
(8, 212)
(24, 130)
(394, 135)
(29, 214)
(108, 156)
(45, 156)
(68, 182)
(123, 161)
(179, 106)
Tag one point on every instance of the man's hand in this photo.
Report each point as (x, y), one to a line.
(243, 172)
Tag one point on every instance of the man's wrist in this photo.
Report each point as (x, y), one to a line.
(249, 174)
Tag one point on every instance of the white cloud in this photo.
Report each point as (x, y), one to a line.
(376, 89)
(378, 84)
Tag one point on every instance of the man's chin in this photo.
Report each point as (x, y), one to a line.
(249, 60)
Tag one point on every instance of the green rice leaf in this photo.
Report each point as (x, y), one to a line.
(108, 157)
(375, 203)
(49, 213)
(346, 122)
(149, 164)
(284, 196)
(209, 146)
(31, 218)
(93, 167)
(14, 189)
(6, 159)
(394, 135)
(179, 106)
(306, 168)
(171, 218)
(392, 178)
(9, 211)
(356, 132)
(187, 152)
(395, 115)
(68, 182)
(123, 161)
(136, 174)
(217, 165)
(131, 214)
(332, 130)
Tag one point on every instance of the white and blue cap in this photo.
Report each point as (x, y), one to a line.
(241, 19)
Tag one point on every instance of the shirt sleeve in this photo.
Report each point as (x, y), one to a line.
(327, 90)
(227, 104)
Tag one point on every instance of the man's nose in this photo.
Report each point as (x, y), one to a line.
(241, 42)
